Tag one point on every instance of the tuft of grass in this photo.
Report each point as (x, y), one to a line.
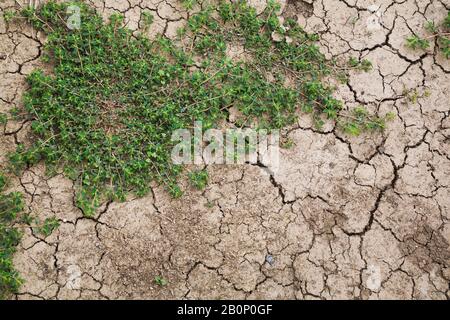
(107, 112)
(160, 281)
(9, 15)
(288, 143)
(147, 19)
(48, 226)
(199, 179)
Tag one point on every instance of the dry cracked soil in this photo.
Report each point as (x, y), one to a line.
(343, 217)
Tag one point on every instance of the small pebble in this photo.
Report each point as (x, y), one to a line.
(270, 260)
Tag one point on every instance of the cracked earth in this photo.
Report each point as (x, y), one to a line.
(343, 217)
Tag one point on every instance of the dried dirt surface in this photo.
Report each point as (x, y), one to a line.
(343, 218)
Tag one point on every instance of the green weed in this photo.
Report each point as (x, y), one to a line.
(11, 205)
(48, 226)
(189, 4)
(415, 42)
(3, 119)
(147, 19)
(9, 15)
(2, 182)
(439, 32)
(357, 122)
(431, 27)
(107, 112)
(160, 281)
(199, 179)
(363, 65)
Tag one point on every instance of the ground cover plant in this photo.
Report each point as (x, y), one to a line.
(439, 32)
(11, 205)
(12, 220)
(106, 112)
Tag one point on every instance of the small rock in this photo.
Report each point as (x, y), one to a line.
(270, 260)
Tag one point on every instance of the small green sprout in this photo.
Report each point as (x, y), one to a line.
(353, 62)
(287, 143)
(431, 27)
(363, 65)
(9, 15)
(160, 281)
(415, 42)
(49, 225)
(114, 135)
(366, 65)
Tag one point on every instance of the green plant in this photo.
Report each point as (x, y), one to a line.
(445, 46)
(11, 205)
(431, 27)
(188, 4)
(160, 281)
(288, 143)
(147, 19)
(357, 122)
(415, 42)
(353, 20)
(2, 182)
(107, 112)
(363, 65)
(412, 95)
(439, 32)
(9, 15)
(3, 119)
(48, 226)
(199, 179)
